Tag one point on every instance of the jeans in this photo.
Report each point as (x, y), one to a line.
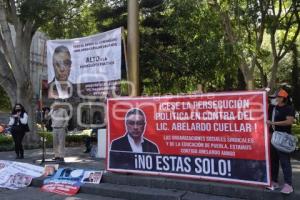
(285, 161)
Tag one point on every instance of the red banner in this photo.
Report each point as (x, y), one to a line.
(219, 136)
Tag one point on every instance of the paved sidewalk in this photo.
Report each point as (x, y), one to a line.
(77, 159)
(26, 194)
(74, 158)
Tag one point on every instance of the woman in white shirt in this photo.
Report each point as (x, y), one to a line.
(18, 122)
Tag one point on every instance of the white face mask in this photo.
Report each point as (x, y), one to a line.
(274, 102)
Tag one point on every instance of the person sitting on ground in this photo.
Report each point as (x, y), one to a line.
(92, 138)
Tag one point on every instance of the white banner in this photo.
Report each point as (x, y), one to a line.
(87, 66)
(14, 175)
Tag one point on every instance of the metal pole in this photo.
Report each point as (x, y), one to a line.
(133, 46)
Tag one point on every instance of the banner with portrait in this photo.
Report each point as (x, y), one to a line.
(65, 181)
(15, 175)
(217, 136)
(84, 67)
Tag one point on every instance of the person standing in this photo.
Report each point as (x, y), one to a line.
(59, 117)
(18, 122)
(282, 115)
(47, 122)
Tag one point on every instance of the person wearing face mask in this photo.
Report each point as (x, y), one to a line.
(18, 122)
(281, 115)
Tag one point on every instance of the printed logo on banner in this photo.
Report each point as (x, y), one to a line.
(221, 136)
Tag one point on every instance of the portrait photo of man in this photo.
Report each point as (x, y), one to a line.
(50, 169)
(92, 177)
(134, 140)
(60, 86)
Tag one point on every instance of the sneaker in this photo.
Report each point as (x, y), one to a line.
(274, 186)
(287, 189)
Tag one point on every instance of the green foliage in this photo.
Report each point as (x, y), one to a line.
(70, 19)
(295, 77)
(39, 11)
(76, 139)
(71, 140)
(48, 137)
(296, 131)
(6, 143)
(183, 44)
(4, 101)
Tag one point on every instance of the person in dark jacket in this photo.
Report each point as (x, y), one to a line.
(47, 121)
(18, 122)
(281, 117)
(134, 140)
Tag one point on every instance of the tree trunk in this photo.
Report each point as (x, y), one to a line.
(263, 76)
(248, 76)
(241, 80)
(31, 139)
(250, 83)
(295, 78)
(274, 67)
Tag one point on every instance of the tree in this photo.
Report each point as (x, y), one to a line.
(247, 22)
(4, 101)
(283, 19)
(25, 17)
(77, 22)
(182, 45)
(295, 78)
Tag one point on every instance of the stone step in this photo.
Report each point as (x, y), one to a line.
(132, 192)
(136, 187)
(124, 191)
(198, 186)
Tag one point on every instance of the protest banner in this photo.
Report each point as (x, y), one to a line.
(15, 175)
(84, 67)
(65, 181)
(92, 177)
(217, 136)
(50, 169)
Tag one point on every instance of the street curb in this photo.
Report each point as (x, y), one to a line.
(124, 191)
(149, 187)
(206, 187)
